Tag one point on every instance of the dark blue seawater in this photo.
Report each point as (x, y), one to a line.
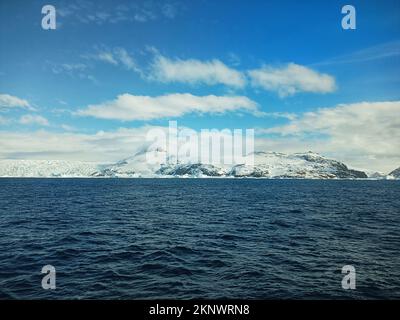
(188, 238)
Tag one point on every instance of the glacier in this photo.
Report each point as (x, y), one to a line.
(47, 168)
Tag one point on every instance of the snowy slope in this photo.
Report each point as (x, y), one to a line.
(395, 173)
(47, 168)
(136, 166)
(266, 165)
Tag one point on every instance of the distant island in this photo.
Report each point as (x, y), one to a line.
(269, 165)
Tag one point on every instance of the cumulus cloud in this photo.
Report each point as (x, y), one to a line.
(291, 79)
(130, 107)
(195, 72)
(286, 80)
(363, 135)
(103, 146)
(366, 134)
(29, 119)
(9, 101)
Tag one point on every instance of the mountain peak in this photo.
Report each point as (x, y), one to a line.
(395, 173)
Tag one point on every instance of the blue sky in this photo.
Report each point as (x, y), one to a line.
(286, 57)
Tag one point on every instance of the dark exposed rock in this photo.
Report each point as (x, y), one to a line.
(191, 170)
(248, 171)
(395, 173)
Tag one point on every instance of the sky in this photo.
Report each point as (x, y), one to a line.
(91, 88)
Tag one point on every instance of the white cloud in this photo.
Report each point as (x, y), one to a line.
(195, 72)
(131, 107)
(9, 101)
(116, 56)
(93, 12)
(381, 51)
(287, 80)
(285, 115)
(29, 119)
(125, 59)
(291, 79)
(107, 57)
(75, 70)
(68, 68)
(103, 146)
(365, 135)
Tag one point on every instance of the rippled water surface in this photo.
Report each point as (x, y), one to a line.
(208, 238)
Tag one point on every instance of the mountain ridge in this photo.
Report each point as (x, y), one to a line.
(395, 173)
(270, 165)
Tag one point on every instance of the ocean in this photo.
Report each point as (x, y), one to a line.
(199, 238)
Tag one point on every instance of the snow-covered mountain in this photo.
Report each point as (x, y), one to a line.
(47, 168)
(266, 165)
(376, 175)
(136, 166)
(395, 173)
